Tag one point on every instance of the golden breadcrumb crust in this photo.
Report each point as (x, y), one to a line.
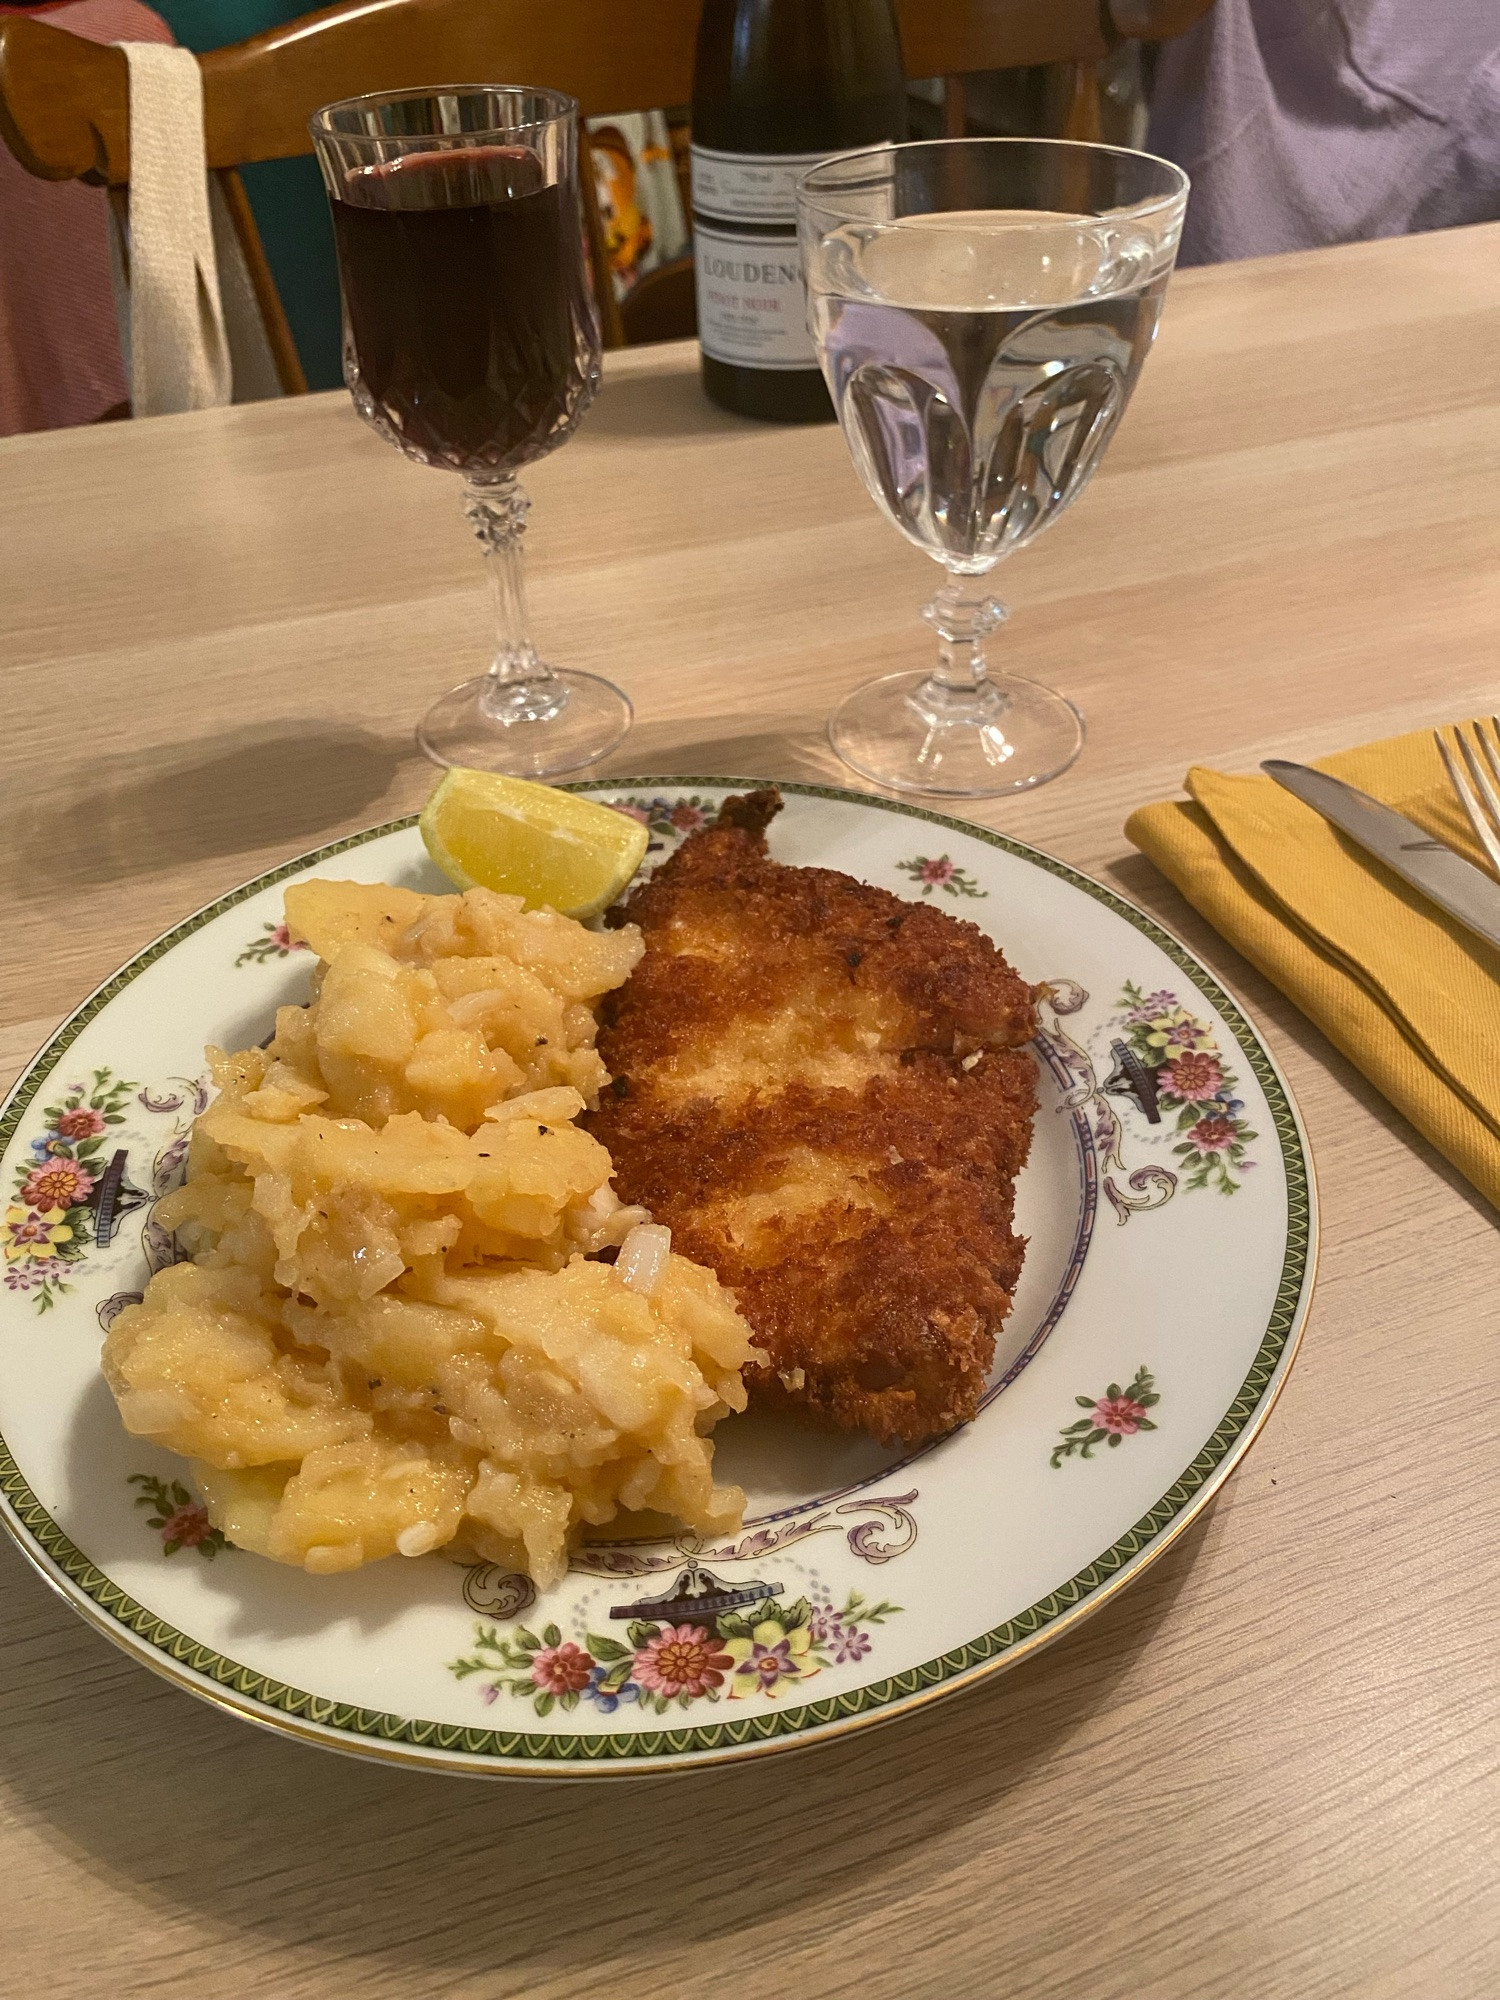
(822, 1090)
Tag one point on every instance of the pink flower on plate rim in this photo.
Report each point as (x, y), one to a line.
(686, 818)
(81, 1122)
(185, 1527)
(1192, 1076)
(563, 1669)
(1121, 1414)
(1211, 1135)
(682, 1659)
(941, 870)
(638, 813)
(57, 1184)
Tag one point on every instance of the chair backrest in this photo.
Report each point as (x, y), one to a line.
(65, 103)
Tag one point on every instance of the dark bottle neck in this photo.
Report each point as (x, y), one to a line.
(793, 76)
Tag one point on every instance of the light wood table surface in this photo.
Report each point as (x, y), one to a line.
(1266, 1772)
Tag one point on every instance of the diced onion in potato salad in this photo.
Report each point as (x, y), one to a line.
(395, 1334)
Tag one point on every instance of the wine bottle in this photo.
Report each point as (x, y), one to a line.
(777, 86)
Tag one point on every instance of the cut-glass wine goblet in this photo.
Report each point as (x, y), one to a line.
(471, 343)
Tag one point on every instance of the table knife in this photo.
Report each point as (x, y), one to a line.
(1443, 876)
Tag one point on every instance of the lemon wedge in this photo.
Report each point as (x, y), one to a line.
(487, 831)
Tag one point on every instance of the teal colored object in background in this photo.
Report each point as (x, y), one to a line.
(287, 196)
(291, 211)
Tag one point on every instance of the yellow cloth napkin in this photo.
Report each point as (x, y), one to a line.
(1409, 995)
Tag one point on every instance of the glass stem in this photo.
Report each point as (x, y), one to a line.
(521, 687)
(963, 618)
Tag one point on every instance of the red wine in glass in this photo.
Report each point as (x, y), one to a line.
(471, 343)
(463, 294)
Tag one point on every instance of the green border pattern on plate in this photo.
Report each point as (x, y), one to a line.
(376, 1727)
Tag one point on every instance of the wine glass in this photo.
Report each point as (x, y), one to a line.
(982, 309)
(471, 343)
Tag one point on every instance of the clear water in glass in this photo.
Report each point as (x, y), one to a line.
(982, 311)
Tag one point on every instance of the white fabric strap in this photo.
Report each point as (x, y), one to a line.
(177, 353)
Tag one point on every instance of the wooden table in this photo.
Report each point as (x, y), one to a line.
(1267, 1770)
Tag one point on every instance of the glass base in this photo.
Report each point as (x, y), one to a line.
(912, 733)
(528, 729)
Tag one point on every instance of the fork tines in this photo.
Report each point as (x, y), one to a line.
(1481, 800)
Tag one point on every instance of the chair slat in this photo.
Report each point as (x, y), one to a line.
(258, 95)
(64, 101)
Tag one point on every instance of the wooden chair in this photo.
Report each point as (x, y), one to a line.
(64, 102)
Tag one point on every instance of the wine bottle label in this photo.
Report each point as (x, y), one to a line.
(749, 187)
(752, 300)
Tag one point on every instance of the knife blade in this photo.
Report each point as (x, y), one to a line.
(1441, 875)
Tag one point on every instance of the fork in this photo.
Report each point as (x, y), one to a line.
(1483, 817)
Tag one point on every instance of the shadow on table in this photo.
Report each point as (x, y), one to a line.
(660, 406)
(737, 748)
(140, 812)
(188, 1812)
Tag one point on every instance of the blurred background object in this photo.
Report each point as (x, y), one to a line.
(60, 358)
(1304, 124)
(1300, 122)
(640, 202)
(286, 196)
(640, 190)
(65, 118)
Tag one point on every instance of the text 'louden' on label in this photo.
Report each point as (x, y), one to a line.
(752, 302)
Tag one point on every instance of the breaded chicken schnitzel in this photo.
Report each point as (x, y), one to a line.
(822, 1090)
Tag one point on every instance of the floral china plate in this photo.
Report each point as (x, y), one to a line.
(1170, 1209)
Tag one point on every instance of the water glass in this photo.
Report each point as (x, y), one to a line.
(982, 309)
